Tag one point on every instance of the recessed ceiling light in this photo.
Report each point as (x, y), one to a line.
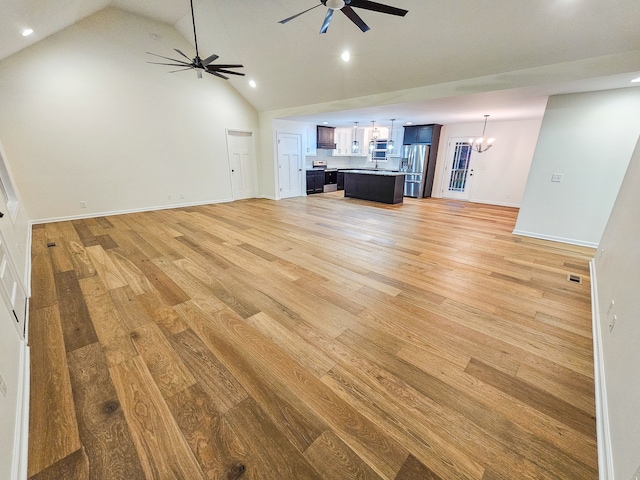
(27, 31)
(325, 123)
(346, 56)
(636, 80)
(252, 83)
(409, 123)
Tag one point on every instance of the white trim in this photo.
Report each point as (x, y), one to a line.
(21, 445)
(605, 457)
(27, 272)
(268, 197)
(498, 204)
(553, 238)
(124, 212)
(486, 202)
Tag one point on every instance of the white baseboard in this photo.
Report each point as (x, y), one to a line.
(21, 446)
(124, 212)
(605, 457)
(498, 204)
(571, 241)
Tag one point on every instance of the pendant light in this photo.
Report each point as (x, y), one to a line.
(390, 143)
(374, 136)
(479, 144)
(355, 145)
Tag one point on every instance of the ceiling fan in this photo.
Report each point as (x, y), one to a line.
(345, 6)
(197, 63)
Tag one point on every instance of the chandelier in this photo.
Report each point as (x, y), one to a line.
(479, 144)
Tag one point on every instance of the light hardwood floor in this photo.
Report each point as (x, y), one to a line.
(315, 337)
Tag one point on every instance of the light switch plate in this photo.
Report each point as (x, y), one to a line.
(556, 177)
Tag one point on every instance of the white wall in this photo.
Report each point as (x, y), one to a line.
(617, 271)
(500, 173)
(85, 118)
(588, 138)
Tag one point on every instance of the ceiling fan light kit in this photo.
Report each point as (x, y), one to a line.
(346, 7)
(206, 65)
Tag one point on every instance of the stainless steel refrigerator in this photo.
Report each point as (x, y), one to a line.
(415, 165)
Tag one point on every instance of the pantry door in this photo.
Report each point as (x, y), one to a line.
(289, 165)
(240, 148)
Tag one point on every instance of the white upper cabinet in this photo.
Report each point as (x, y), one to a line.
(343, 138)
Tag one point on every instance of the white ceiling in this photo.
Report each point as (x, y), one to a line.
(543, 47)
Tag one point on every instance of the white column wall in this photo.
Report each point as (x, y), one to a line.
(617, 278)
(588, 138)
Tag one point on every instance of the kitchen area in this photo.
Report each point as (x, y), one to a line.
(377, 163)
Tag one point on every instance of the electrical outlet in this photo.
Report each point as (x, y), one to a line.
(83, 204)
(169, 196)
(182, 195)
(556, 177)
(610, 307)
(613, 323)
(3, 386)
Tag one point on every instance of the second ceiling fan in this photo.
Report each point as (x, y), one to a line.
(346, 7)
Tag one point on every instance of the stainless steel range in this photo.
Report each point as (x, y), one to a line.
(330, 175)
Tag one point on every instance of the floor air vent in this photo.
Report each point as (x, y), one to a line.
(574, 278)
(51, 244)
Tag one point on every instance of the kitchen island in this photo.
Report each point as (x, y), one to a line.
(375, 185)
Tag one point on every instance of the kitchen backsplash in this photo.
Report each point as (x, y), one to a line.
(351, 162)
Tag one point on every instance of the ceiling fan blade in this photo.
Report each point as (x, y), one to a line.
(229, 72)
(173, 64)
(181, 53)
(378, 7)
(209, 59)
(221, 65)
(298, 14)
(217, 74)
(172, 59)
(355, 18)
(327, 21)
(181, 70)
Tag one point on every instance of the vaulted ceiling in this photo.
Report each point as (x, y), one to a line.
(483, 49)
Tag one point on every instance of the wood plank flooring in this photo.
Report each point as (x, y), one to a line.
(311, 338)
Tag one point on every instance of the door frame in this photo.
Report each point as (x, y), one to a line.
(302, 178)
(252, 153)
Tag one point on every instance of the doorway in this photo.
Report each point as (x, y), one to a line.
(289, 165)
(240, 148)
(458, 172)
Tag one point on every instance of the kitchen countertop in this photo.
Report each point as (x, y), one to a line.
(387, 173)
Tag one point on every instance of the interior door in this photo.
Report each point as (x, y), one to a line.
(458, 174)
(241, 162)
(289, 165)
